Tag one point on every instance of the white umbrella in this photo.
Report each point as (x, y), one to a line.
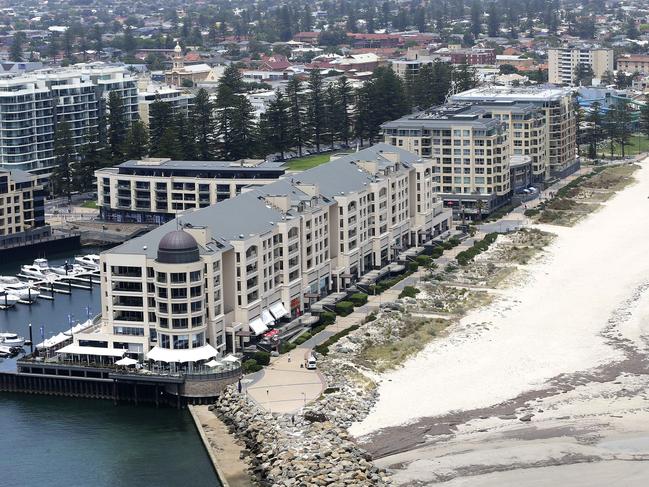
(230, 358)
(126, 361)
(213, 363)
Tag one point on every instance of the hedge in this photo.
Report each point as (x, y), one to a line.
(359, 299)
(327, 318)
(468, 255)
(424, 260)
(250, 366)
(344, 308)
(286, 347)
(302, 338)
(323, 349)
(262, 358)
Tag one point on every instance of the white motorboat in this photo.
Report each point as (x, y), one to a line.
(7, 299)
(12, 340)
(89, 261)
(40, 269)
(23, 290)
(68, 269)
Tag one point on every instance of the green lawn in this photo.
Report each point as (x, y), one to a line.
(90, 204)
(302, 163)
(637, 143)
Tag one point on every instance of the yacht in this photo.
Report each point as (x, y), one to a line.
(7, 299)
(23, 290)
(40, 269)
(11, 340)
(67, 269)
(89, 261)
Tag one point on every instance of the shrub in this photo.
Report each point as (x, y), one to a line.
(286, 347)
(344, 308)
(409, 292)
(424, 260)
(412, 266)
(371, 317)
(302, 338)
(437, 252)
(531, 212)
(327, 318)
(469, 254)
(359, 299)
(317, 329)
(262, 358)
(250, 366)
(323, 349)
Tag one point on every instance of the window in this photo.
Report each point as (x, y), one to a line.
(195, 276)
(164, 340)
(178, 293)
(162, 277)
(179, 323)
(177, 277)
(198, 340)
(181, 342)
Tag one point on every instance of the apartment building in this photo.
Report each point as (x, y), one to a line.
(21, 203)
(634, 63)
(32, 104)
(560, 121)
(469, 150)
(178, 100)
(563, 63)
(219, 276)
(154, 190)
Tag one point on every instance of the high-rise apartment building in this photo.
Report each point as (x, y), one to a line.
(32, 104)
(469, 151)
(563, 63)
(560, 121)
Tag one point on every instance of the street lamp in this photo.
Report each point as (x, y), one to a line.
(304, 396)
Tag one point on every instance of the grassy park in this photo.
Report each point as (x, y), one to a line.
(637, 143)
(307, 162)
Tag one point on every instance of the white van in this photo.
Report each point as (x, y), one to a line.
(311, 363)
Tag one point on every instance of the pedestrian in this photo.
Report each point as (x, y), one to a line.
(267, 391)
(289, 357)
(293, 420)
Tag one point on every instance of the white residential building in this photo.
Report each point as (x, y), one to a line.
(564, 62)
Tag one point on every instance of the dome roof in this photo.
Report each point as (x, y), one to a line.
(177, 247)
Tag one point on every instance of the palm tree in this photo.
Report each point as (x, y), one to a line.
(479, 205)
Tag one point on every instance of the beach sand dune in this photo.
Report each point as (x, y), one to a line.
(582, 308)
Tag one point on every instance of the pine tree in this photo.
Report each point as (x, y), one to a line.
(315, 107)
(64, 151)
(16, 49)
(331, 118)
(186, 137)
(493, 22)
(169, 145)
(117, 126)
(160, 118)
(275, 126)
(345, 97)
(296, 114)
(137, 141)
(90, 158)
(476, 18)
(465, 78)
(202, 122)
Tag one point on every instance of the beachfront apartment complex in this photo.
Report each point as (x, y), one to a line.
(561, 125)
(32, 104)
(220, 275)
(468, 149)
(564, 62)
(154, 190)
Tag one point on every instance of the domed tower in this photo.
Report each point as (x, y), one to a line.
(180, 292)
(179, 62)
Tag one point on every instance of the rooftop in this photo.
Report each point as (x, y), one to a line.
(521, 93)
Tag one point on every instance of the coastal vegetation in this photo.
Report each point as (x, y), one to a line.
(583, 195)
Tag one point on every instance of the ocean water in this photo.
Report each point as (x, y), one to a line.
(65, 442)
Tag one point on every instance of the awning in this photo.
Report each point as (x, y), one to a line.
(257, 326)
(187, 355)
(266, 317)
(278, 310)
(126, 361)
(213, 363)
(103, 352)
(231, 358)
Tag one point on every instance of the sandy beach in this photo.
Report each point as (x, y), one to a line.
(548, 377)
